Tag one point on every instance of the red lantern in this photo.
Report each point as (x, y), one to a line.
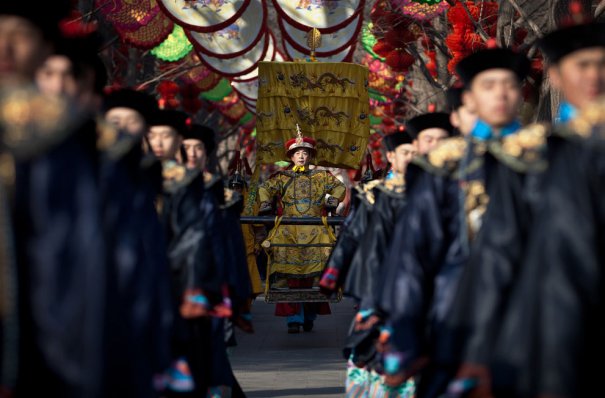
(400, 60)
(168, 91)
(191, 102)
(399, 38)
(382, 48)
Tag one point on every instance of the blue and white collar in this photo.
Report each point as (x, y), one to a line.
(483, 131)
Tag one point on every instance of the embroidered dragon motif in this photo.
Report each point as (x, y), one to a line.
(324, 80)
(269, 147)
(321, 144)
(262, 116)
(321, 115)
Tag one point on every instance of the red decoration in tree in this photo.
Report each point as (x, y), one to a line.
(463, 39)
(190, 99)
(168, 91)
(74, 26)
(381, 15)
(431, 65)
(382, 48)
(400, 60)
(399, 37)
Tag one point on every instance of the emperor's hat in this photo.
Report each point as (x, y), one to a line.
(299, 142)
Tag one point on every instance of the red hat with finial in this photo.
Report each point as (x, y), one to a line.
(300, 142)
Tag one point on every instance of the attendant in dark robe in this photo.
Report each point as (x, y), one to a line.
(554, 252)
(138, 306)
(165, 135)
(52, 307)
(339, 262)
(193, 218)
(386, 198)
(444, 216)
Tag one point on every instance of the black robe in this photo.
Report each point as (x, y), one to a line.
(551, 336)
(61, 267)
(348, 241)
(138, 306)
(366, 268)
(199, 257)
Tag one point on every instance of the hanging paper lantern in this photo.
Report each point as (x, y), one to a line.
(175, 47)
(422, 11)
(197, 72)
(219, 92)
(327, 16)
(246, 118)
(150, 35)
(128, 15)
(381, 16)
(209, 82)
(204, 16)
(271, 55)
(232, 110)
(399, 60)
(368, 41)
(190, 99)
(331, 43)
(400, 36)
(375, 120)
(248, 90)
(236, 39)
(168, 91)
(233, 67)
(382, 48)
(343, 56)
(463, 39)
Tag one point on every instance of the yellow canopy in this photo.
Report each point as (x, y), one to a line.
(329, 101)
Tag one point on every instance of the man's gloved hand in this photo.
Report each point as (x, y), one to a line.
(332, 202)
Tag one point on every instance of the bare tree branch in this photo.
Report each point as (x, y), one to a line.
(174, 73)
(477, 25)
(522, 14)
(427, 74)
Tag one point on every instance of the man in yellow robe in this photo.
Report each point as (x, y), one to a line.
(299, 191)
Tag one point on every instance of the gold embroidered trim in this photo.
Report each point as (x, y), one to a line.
(448, 153)
(523, 151)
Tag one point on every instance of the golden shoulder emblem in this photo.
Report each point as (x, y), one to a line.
(526, 141)
(448, 153)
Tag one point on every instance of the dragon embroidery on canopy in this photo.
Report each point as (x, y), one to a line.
(325, 80)
(321, 116)
(269, 147)
(321, 144)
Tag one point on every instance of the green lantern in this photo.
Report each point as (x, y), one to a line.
(220, 91)
(368, 40)
(246, 118)
(175, 47)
